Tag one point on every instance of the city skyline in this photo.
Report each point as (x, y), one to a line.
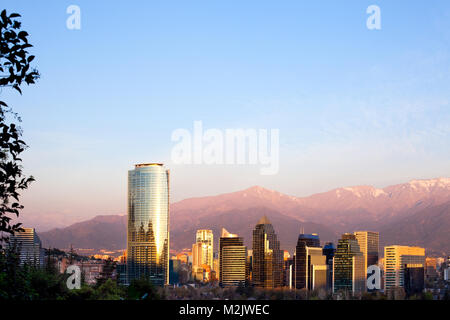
(224, 150)
(299, 221)
(369, 106)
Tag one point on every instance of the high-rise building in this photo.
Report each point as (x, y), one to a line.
(267, 259)
(28, 243)
(348, 266)
(404, 267)
(431, 267)
(329, 249)
(369, 245)
(232, 260)
(309, 264)
(288, 273)
(148, 223)
(202, 254)
(248, 267)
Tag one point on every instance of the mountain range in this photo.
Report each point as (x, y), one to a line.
(412, 213)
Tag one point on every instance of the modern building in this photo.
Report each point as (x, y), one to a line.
(232, 260)
(202, 254)
(431, 267)
(309, 263)
(148, 223)
(404, 267)
(349, 274)
(369, 245)
(267, 258)
(288, 273)
(29, 245)
(206, 238)
(248, 267)
(414, 279)
(329, 249)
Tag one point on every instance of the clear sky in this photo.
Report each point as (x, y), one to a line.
(354, 106)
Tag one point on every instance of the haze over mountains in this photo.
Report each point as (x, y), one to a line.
(413, 213)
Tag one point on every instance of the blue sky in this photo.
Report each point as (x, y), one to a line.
(354, 106)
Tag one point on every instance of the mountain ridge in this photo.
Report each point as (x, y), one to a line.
(333, 212)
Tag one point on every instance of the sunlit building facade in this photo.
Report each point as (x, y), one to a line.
(369, 245)
(348, 266)
(267, 260)
(309, 263)
(148, 223)
(232, 260)
(202, 254)
(404, 263)
(29, 245)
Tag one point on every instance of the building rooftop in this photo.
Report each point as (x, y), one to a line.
(141, 165)
(264, 220)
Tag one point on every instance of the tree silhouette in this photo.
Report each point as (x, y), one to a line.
(15, 70)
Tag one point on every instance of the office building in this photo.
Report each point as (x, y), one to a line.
(369, 245)
(404, 267)
(329, 249)
(267, 258)
(148, 223)
(232, 260)
(309, 263)
(431, 267)
(29, 245)
(206, 239)
(202, 255)
(348, 266)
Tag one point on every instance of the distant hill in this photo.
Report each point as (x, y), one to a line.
(416, 212)
(429, 228)
(101, 232)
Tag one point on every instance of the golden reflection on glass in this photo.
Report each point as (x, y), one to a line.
(148, 223)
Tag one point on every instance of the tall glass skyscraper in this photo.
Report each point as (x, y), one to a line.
(267, 268)
(348, 266)
(309, 264)
(329, 249)
(148, 223)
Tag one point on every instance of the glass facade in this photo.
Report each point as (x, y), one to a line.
(148, 223)
(414, 278)
(267, 267)
(308, 245)
(328, 251)
(348, 266)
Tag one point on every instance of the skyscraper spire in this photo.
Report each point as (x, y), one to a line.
(264, 220)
